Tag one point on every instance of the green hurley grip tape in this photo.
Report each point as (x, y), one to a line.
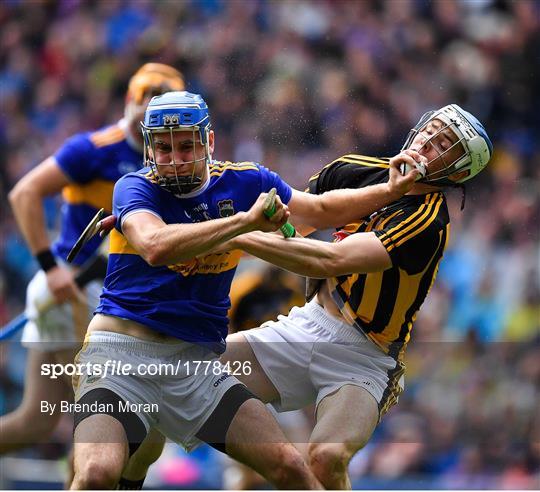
(286, 229)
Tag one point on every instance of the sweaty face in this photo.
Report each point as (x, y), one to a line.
(179, 153)
(439, 145)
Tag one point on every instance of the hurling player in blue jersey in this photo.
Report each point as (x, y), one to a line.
(84, 169)
(343, 351)
(162, 320)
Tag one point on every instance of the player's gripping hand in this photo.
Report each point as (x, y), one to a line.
(62, 285)
(106, 225)
(405, 169)
(257, 219)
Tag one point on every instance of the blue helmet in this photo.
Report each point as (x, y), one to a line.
(472, 136)
(169, 113)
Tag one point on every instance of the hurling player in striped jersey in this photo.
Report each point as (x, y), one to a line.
(343, 350)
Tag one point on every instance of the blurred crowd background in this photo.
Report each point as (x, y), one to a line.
(295, 84)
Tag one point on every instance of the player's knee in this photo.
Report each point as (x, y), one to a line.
(96, 474)
(328, 460)
(43, 428)
(35, 423)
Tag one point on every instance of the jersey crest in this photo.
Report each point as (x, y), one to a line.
(226, 208)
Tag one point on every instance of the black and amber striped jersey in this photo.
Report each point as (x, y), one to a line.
(414, 230)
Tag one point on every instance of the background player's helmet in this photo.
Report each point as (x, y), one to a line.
(170, 112)
(151, 79)
(472, 137)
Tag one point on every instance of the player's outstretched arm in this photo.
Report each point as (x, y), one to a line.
(339, 207)
(26, 200)
(358, 253)
(165, 244)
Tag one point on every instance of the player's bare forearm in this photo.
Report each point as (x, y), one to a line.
(307, 257)
(358, 253)
(336, 208)
(28, 211)
(173, 243)
(340, 207)
(165, 244)
(230, 245)
(26, 200)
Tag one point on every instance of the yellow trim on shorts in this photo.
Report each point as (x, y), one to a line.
(76, 378)
(393, 389)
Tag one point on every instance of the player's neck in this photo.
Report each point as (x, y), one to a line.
(422, 189)
(134, 137)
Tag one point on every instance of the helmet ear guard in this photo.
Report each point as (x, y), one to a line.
(471, 135)
(479, 153)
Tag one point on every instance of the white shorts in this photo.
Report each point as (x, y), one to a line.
(62, 326)
(168, 375)
(310, 354)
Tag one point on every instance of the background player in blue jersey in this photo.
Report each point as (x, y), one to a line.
(165, 301)
(344, 349)
(84, 169)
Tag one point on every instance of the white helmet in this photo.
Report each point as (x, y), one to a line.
(472, 136)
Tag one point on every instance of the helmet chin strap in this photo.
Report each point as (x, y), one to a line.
(180, 185)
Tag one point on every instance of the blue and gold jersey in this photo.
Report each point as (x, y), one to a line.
(93, 162)
(188, 300)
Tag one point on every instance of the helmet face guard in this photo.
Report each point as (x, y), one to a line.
(472, 140)
(170, 114)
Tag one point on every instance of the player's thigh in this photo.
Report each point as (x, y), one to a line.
(348, 416)
(100, 446)
(255, 438)
(38, 387)
(238, 353)
(29, 422)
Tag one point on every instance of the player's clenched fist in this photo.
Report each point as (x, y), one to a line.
(62, 285)
(257, 219)
(405, 169)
